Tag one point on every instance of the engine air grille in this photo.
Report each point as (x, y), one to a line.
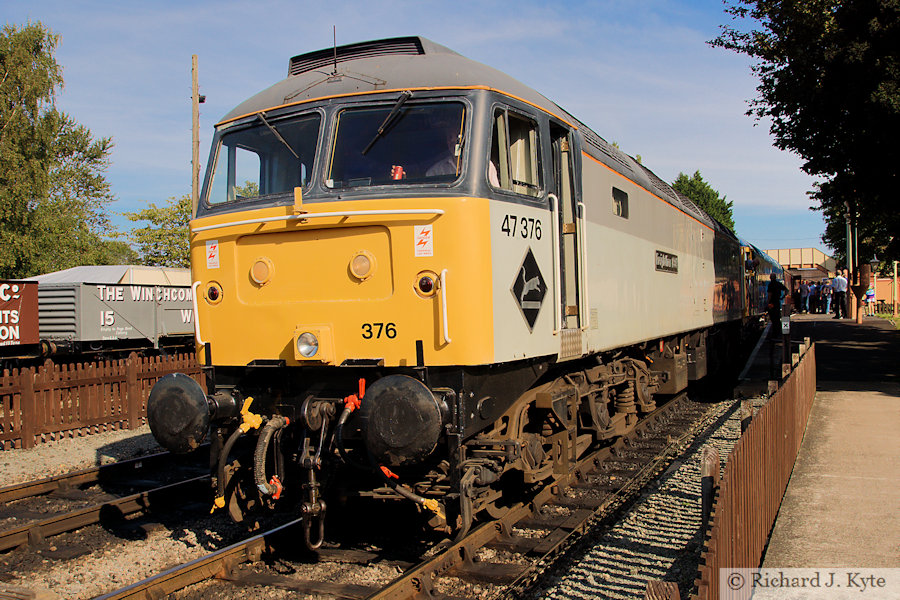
(323, 58)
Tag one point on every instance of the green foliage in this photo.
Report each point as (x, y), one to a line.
(53, 191)
(29, 77)
(703, 195)
(829, 81)
(164, 241)
(250, 189)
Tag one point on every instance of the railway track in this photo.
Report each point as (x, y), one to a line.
(495, 558)
(120, 471)
(32, 511)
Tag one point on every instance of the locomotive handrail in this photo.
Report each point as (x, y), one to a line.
(346, 213)
(194, 287)
(554, 205)
(585, 313)
(445, 324)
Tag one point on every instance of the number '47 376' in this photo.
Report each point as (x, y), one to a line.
(523, 227)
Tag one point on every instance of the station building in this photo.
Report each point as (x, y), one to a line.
(813, 264)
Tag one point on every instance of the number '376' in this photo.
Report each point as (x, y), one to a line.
(377, 330)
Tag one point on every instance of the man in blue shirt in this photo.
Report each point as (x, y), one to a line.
(839, 287)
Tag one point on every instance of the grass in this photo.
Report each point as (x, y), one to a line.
(892, 319)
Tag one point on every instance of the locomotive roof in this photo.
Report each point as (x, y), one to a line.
(416, 62)
(391, 64)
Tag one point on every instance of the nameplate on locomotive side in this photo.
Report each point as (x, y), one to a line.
(666, 262)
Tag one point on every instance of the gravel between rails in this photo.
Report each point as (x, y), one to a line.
(659, 537)
(73, 454)
(115, 564)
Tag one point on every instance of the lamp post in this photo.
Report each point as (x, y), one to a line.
(851, 304)
(874, 281)
(849, 238)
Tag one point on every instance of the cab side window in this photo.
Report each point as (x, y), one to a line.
(620, 203)
(515, 160)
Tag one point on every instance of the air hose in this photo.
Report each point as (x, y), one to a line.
(259, 456)
(349, 407)
(250, 421)
(389, 477)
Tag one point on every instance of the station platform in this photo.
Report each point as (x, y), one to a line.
(842, 505)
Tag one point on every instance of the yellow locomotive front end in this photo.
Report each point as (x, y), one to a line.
(345, 283)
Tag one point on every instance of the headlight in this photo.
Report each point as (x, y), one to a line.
(307, 345)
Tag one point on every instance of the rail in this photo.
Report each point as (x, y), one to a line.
(34, 533)
(200, 569)
(52, 401)
(755, 479)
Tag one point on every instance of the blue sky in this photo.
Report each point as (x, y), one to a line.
(638, 72)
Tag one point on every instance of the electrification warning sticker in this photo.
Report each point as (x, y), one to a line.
(424, 239)
(212, 254)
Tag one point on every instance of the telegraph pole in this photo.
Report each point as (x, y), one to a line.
(196, 99)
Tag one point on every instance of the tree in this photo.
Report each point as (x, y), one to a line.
(164, 242)
(829, 80)
(28, 79)
(250, 189)
(53, 191)
(703, 195)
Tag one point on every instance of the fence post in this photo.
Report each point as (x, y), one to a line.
(661, 590)
(709, 480)
(29, 407)
(132, 391)
(746, 414)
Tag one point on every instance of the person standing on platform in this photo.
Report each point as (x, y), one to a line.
(826, 295)
(813, 297)
(839, 289)
(804, 296)
(775, 292)
(870, 300)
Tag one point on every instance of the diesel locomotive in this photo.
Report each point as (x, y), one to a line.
(417, 278)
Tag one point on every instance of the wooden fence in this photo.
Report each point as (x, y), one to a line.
(754, 481)
(53, 401)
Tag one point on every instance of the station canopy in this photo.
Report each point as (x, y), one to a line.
(805, 263)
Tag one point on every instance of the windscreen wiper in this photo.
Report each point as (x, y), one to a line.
(404, 96)
(262, 117)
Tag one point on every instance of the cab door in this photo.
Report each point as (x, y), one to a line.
(568, 213)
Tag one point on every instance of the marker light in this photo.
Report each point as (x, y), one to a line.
(213, 293)
(426, 284)
(307, 345)
(261, 271)
(362, 265)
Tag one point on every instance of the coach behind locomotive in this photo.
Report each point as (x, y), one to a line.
(490, 318)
